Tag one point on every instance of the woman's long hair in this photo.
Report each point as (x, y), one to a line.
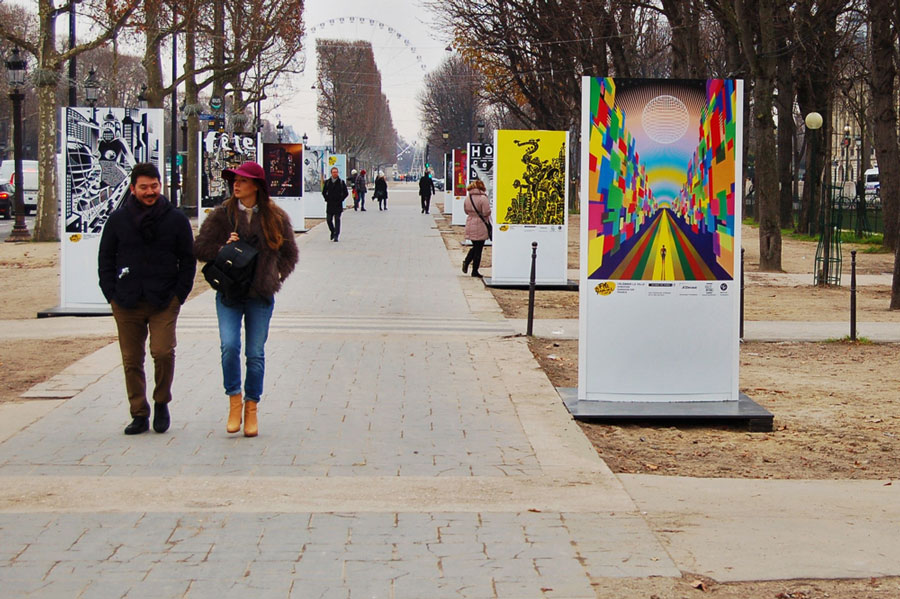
(269, 215)
(477, 184)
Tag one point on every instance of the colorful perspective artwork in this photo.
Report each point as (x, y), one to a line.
(662, 179)
(282, 164)
(530, 177)
(459, 173)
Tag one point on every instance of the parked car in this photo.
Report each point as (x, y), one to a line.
(30, 178)
(7, 194)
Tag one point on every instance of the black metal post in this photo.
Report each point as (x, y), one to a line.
(531, 288)
(853, 295)
(174, 126)
(742, 295)
(73, 70)
(20, 229)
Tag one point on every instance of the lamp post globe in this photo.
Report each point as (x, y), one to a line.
(305, 140)
(15, 72)
(813, 120)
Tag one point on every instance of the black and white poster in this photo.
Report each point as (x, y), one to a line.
(313, 174)
(100, 147)
(222, 150)
(102, 144)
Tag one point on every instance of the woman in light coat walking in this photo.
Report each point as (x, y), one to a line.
(478, 217)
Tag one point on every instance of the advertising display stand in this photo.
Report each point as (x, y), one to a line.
(101, 145)
(313, 177)
(283, 165)
(460, 169)
(448, 183)
(480, 158)
(339, 161)
(660, 224)
(222, 150)
(530, 205)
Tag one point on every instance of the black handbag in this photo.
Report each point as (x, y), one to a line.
(233, 269)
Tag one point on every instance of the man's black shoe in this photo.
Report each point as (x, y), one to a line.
(161, 418)
(138, 426)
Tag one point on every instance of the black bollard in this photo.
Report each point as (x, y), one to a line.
(853, 295)
(742, 295)
(531, 288)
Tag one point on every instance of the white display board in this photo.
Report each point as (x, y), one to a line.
(222, 150)
(530, 204)
(283, 165)
(101, 147)
(660, 224)
(480, 159)
(313, 177)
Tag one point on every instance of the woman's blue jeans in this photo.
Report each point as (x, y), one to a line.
(255, 314)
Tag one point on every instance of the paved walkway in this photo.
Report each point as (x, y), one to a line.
(409, 447)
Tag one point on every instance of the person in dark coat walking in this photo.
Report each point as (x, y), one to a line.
(359, 184)
(146, 268)
(426, 190)
(335, 192)
(381, 193)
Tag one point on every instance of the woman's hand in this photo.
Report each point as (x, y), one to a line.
(233, 237)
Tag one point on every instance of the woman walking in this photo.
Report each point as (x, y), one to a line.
(478, 215)
(380, 192)
(248, 215)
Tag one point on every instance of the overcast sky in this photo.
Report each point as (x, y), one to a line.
(402, 74)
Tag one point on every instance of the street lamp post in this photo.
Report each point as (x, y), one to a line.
(279, 130)
(480, 131)
(860, 191)
(304, 139)
(184, 127)
(846, 144)
(91, 88)
(15, 71)
(446, 137)
(142, 97)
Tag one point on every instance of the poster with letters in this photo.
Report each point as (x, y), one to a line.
(101, 145)
(283, 165)
(530, 200)
(660, 224)
(222, 150)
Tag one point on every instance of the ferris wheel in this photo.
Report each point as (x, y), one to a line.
(382, 36)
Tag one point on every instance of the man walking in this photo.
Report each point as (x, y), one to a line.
(146, 267)
(335, 192)
(426, 190)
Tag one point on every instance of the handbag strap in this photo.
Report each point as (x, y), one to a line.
(474, 207)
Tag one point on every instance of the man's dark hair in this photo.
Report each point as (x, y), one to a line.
(144, 169)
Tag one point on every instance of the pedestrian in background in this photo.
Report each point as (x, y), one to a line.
(359, 184)
(351, 185)
(478, 214)
(381, 193)
(335, 192)
(426, 190)
(248, 215)
(146, 267)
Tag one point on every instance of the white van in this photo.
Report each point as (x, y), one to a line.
(870, 177)
(30, 177)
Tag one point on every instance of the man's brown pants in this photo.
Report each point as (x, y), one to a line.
(133, 325)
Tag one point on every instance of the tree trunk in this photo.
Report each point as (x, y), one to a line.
(46, 224)
(152, 60)
(884, 117)
(190, 183)
(785, 133)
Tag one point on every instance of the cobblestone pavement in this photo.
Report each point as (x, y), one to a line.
(409, 447)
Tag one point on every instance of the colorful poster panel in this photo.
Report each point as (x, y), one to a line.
(101, 147)
(222, 151)
(459, 172)
(662, 180)
(313, 168)
(282, 165)
(658, 304)
(336, 160)
(448, 183)
(531, 177)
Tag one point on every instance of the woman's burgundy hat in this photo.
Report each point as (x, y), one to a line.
(251, 170)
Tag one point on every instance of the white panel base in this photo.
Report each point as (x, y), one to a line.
(511, 254)
(459, 211)
(294, 208)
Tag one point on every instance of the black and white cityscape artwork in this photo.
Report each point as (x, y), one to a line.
(101, 147)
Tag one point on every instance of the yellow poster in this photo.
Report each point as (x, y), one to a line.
(531, 177)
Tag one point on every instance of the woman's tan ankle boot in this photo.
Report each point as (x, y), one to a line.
(251, 427)
(234, 413)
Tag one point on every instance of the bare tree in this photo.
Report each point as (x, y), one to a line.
(109, 19)
(451, 102)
